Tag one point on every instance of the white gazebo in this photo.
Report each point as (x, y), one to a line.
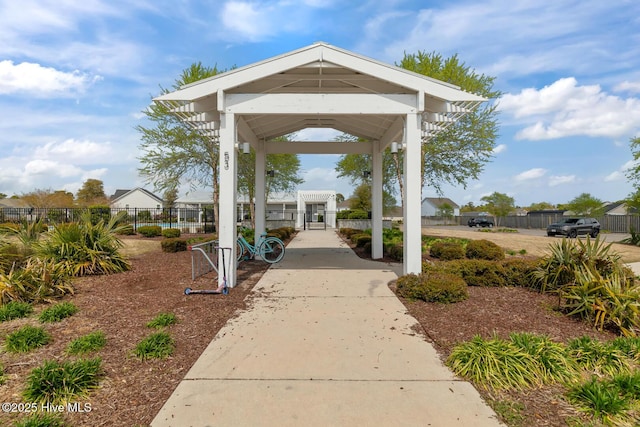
(321, 86)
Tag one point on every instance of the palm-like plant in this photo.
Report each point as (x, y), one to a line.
(84, 248)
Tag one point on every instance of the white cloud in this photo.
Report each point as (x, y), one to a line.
(627, 86)
(500, 148)
(40, 81)
(614, 176)
(556, 180)
(534, 173)
(79, 152)
(565, 109)
(51, 168)
(246, 20)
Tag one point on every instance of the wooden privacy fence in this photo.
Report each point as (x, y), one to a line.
(611, 223)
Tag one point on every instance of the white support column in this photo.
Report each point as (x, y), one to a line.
(227, 232)
(376, 202)
(413, 196)
(260, 207)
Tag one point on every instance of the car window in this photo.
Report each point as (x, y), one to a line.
(570, 221)
(580, 222)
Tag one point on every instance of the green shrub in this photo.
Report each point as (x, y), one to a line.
(367, 248)
(155, 346)
(150, 230)
(361, 239)
(162, 320)
(58, 312)
(173, 245)
(57, 382)
(434, 286)
(15, 310)
(446, 251)
(396, 251)
(348, 232)
(26, 339)
(100, 213)
(126, 230)
(477, 272)
(171, 232)
(87, 343)
(358, 214)
(484, 249)
(519, 271)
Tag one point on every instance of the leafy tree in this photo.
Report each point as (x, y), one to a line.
(457, 154)
(3, 196)
(285, 167)
(47, 198)
(499, 205)
(339, 198)
(445, 210)
(173, 151)
(540, 206)
(586, 204)
(469, 207)
(91, 193)
(361, 199)
(633, 200)
(170, 196)
(633, 173)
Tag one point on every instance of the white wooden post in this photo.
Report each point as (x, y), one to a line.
(413, 194)
(376, 202)
(260, 207)
(227, 232)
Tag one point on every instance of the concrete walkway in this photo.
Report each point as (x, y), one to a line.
(325, 343)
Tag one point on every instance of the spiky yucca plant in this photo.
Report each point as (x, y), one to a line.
(84, 248)
(37, 281)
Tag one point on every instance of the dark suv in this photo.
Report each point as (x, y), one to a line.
(480, 222)
(572, 227)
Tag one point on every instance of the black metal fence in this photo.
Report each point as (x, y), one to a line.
(188, 220)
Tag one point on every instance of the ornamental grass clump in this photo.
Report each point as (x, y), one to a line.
(87, 343)
(163, 320)
(58, 312)
(600, 399)
(597, 357)
(61, 382)
(85, 248)
(15, 310)
(555, 365)
(158, 345)
(26, 339)
(495, 364)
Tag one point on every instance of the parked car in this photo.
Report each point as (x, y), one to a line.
(480, 222)
(572, 227)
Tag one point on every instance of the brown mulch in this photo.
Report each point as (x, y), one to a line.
(133, 391)
(121, 305)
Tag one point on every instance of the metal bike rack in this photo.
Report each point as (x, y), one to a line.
(204, 258)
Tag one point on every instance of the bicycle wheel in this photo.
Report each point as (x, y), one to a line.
(239, 251)
(271, 250)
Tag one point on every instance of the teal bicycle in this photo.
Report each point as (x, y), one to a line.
(270, 249)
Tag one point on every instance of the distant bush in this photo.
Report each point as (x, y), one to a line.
(126, 230)
(447, 251)
(170, 232)
(173, 245)
(358, 214)
(484, 249)
(150, 230)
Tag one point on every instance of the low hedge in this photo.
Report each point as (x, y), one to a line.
(360, 239)
(348, 232)
(174, 244)
(477, 272)
(171, 232)
(434, 286)
(395, 251)
(150, 230)
(484, 249)
(447, 251)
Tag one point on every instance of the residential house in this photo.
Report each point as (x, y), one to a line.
(431, 206)
(138, 198)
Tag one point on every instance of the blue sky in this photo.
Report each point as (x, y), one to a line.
(75, 76)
